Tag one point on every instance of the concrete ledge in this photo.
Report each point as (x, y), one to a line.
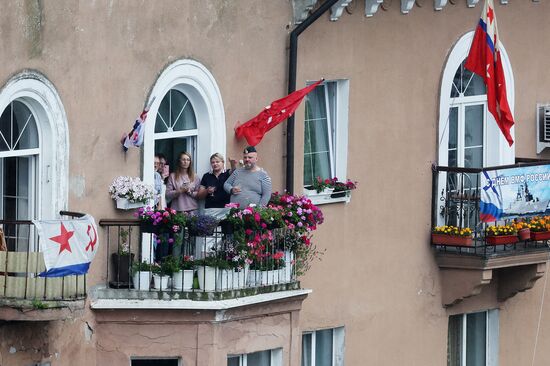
(27, 310)
(185, 304)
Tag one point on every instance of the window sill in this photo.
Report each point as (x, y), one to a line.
(326, 198)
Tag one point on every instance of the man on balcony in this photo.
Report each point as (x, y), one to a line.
(250, 184)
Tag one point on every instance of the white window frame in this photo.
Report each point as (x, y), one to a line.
(338, 345)
(276, 355)
(496, 148)
(41, 97)
(337, 138)
(491, 337)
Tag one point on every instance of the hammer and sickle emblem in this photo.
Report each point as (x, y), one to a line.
(93, 241)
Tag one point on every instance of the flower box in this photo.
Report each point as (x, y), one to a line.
(125, 204)
(183, 280)
(501, 239)
(540, 235)
(524, 234)
(207, 278)
(443, 239)
(160, 282)
(142, 280)
(147, 227)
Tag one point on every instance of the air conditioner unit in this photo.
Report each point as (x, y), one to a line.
(543, 127)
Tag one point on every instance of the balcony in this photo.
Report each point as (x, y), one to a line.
(459, 197)
(185, 270)
(24, 295)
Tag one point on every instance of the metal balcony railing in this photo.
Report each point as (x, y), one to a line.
(190, 266)
(456, 198)
(21, 264)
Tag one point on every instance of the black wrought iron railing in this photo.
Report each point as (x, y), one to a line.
(457, 200)
(21, 264)
(187, 264)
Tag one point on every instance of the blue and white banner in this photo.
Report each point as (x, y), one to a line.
(508, 193)
(68, 246)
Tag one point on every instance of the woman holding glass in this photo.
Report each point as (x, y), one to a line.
(212, 183)
(183, 186)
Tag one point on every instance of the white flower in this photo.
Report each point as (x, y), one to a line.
(131, 188)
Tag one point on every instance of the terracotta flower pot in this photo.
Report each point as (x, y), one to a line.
(443, 239)
(502, 239)
(540, 235)
(524, 234)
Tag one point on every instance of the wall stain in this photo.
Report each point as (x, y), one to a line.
(33, 27)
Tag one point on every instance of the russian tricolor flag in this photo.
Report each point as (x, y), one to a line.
(484, 59)
(490, 205)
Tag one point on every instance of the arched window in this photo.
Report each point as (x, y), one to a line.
(33, 154)
(175, 127)
(186, 114)
(468, 134)
(19, 156)
(467, 119)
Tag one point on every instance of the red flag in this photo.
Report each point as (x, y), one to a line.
(485, 60)
(254, 130)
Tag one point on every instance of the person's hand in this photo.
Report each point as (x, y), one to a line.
(211, 190)
(236, 190)
(184, 188)
(232, 163)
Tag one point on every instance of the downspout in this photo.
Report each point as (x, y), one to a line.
(292, 63)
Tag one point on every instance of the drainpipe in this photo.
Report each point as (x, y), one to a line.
(292, 62)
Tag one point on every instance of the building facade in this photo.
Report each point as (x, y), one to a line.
(396, 102)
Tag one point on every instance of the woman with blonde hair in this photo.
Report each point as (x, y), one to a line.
(183, 185)
(212, 183)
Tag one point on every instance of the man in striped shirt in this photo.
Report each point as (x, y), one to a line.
(249, 184)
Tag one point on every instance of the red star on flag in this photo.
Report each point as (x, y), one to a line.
(490, 15)
(63, 239)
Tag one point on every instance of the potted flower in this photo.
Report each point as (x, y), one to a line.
(161, 275)
(341, 189)
(320, 185)
(182, 279)
(524, 232)
(202, 225)
(209, 272)
(266, 270)
(501, 234)
(164, 221)
(540, 228)
(130, 192)
(121, 261)
(142, 275)
(452, 235)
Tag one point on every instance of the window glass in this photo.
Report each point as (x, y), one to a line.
(454, 345)
(476, 333)
(156, 362)
(175, 113)
(234, 361)
(317, 150)
(323, 347)
(467, 83)
(306, 349)
(17, 128)
(262, 358)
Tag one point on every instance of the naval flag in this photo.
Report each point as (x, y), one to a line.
(485, 60)
(68, 245)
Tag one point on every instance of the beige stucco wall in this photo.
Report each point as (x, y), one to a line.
(378, 277)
